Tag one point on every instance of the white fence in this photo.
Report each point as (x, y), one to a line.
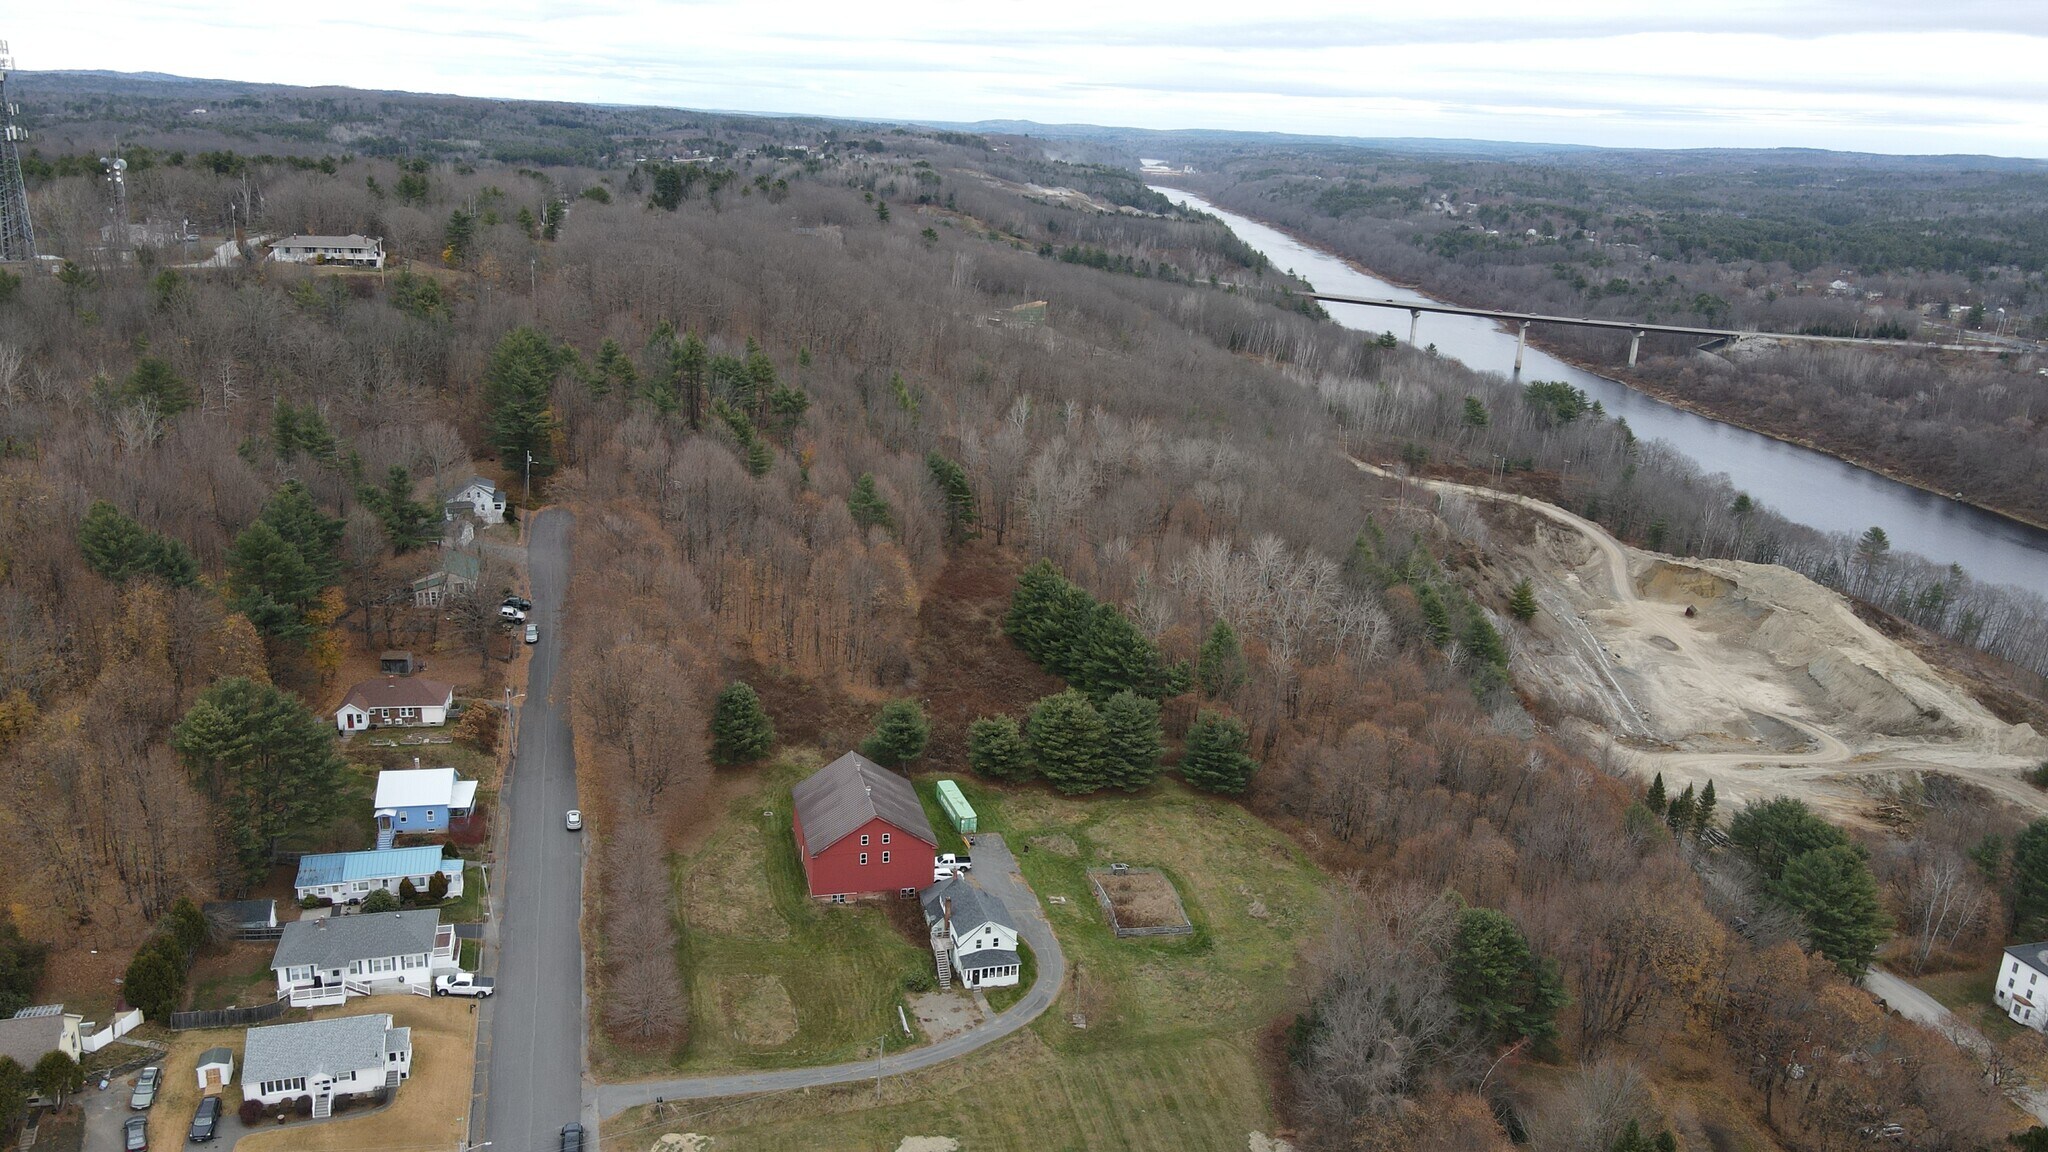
(122, 1025)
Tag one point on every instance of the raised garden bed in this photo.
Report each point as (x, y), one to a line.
(1139, 901)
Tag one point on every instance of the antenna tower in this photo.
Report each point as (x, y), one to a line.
(17, 233)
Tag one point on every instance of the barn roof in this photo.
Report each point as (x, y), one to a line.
(850, 791)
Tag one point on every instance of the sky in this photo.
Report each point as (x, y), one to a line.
(1859, 75)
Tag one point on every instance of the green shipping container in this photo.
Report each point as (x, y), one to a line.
(957, 809)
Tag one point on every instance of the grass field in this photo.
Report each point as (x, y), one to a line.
(776, 978)
(1168, 1059)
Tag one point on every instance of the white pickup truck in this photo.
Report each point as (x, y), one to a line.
(946, 864)
(464, 984)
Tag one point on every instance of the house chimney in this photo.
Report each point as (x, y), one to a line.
(946, 910)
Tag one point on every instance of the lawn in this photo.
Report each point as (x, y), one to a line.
(1967, 993)
(1169, 1057)
(467, 908)
(777, 979)
(432, 1108)
(1000, 999)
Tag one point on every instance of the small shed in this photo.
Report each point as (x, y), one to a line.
(958, 810)
(398, 662)
(216, 1070)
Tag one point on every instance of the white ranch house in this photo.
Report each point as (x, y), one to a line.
(394, 702)
(971, 935)
(355, 251)
(350, 877)
(2022, 987)
(326, 961)
(324, 1059)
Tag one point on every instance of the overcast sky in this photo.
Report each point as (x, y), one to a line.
(1869, 75)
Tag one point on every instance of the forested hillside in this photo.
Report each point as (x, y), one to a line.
(793, 397)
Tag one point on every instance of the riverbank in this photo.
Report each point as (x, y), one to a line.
(1798, 439)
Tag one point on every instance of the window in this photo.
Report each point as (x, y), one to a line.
(885, 855)
(863, 839)
(863, 859)
(839, 899)
(885, 837)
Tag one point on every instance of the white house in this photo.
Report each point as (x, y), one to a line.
(324, 1059)
(395, 701)
(970, 932)
(2022, 988)
(480, 498)
(357, 251)
(326, 961)
(38, 1030)
(350, 877)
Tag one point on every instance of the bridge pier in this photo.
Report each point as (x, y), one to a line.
(1635, 341)
(1521, 341)
(1414, 323)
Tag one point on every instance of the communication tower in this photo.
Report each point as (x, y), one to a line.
(17, 234)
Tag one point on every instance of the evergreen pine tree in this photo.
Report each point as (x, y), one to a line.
(900, 734)
(2030, 881)
(955, 492)
(1066, 737)
(1436, 618)
(1504, 991)
(1220, 665)
(1656, 801)
(996, 749)
(1679, 816)
(269, 583)
(315, 536)
(691, 360)
(1835, 894)
(1214, 758)
(114, 545)
(519, 420)
(1031, 608)
(1703, 813)
(740, 730)
(1111, 655)
(1522, 604)
(1131, 741)
(268, 763)
(760, 458)
(868, 508)
(155, 381)
(408, 523)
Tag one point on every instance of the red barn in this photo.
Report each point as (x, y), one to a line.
(862, 832)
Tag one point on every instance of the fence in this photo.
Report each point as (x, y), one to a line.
(122, 1025)
(1183, 928)
(229, 1017)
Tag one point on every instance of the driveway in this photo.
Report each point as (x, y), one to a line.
(1921, 1008)
(530, 1035)
(996, 869)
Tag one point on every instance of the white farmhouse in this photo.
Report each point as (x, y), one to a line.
(355, 251)
(324, 1059)
(478, 497)
(326, 961)
(2022, 988)
(971, 935)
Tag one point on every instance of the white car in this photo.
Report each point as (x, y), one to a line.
(575, 821)
(464, 984)
(510, 612)
(533, 633)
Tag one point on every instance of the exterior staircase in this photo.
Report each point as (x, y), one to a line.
(940, 943)
(391, 1079)
(385, 834)
(323, 1106)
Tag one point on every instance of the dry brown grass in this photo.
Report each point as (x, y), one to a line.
(1142, 899)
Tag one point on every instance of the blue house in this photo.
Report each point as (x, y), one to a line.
(350, 877)
(421, 800)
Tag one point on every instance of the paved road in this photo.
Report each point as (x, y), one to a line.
(1921, 1008)
(996, 869)
(530, 1044)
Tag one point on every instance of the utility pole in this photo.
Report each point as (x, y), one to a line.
(529, 478)
(879, 1047)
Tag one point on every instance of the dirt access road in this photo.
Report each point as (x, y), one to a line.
(1773, 687)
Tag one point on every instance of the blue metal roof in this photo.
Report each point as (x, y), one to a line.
(342, 867)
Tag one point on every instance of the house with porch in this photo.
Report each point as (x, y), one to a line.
(861, 831)
(355, 251)
(455, 577)
(323, 1059)
(350, 877)
(421, 800)
(479, 498)
(395, 701)
(971, 935)
(326, 961)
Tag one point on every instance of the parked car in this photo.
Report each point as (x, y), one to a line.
(205, 1122)
(135, 1134)
(508, 612)
(519, 602)
(572, 1138)
(533, 633)
(145, 1088)
(574, 823)
(464, 984)
(946, 864)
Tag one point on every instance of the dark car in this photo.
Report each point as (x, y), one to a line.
(205, 1122)
(519, 602)
(572, 1138)
(135, 1136)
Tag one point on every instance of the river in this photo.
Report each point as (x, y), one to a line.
(1801, 484)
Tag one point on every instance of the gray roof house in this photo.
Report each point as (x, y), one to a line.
(324, 1059)
(328, 960)
(971, 928)
(39, 1030)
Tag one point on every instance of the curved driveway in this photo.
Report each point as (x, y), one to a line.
(996, 869)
